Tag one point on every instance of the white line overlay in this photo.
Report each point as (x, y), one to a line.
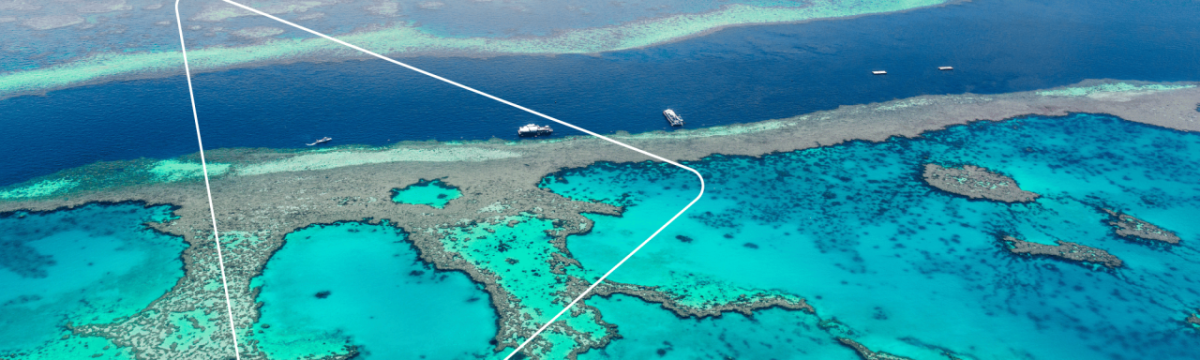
(204, 166)
(464, 87)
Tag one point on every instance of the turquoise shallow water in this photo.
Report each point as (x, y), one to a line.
(909, 269)
(88, 265)
(433, 193)
(352, 283)
(650, 332)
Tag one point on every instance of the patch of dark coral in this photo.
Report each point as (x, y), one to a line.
(1063, 250)
(1128, 226)
(976, 182)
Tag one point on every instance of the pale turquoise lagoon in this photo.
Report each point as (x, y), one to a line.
(434, 193)
(353, 283)
(88, 265)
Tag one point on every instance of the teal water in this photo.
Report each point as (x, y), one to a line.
(650, 332)
(353, 283)
(92, 264)
(433, 193)
(912, 270)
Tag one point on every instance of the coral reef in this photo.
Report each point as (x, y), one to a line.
(976, 182)
(22, 259)
(1064, 250)
(745, 304)
(867, 354)
(1128, 226)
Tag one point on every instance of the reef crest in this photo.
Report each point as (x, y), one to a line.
(1130, 227)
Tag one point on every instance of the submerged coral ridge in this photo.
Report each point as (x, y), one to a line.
(20, 258)
(433, 193)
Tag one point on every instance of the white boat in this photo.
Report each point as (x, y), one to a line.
(534, 130)
(320, 141)
(879, 72)
(672, 118)
(945, 68)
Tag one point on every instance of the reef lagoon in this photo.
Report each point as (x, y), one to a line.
(903, 266)
(358, 285)
(93, 264)
(434, 193)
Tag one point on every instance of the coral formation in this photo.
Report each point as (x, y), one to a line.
(745, 304)
(976, 182)
(1064, 250)
(1128, 226)
(867, 354)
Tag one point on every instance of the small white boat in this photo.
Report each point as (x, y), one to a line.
(672, 118)
(320, 141)
(945, 68)
(879, 72)
(534, 130)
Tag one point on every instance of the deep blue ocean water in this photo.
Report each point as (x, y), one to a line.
(904, 267)
(736, 75)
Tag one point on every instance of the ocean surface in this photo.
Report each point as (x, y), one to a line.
(903, 267)
(736, 75)
(88, 265)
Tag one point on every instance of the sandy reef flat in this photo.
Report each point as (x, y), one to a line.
(261, 195)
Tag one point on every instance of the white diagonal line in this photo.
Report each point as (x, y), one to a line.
(522, 108)
(204, 166)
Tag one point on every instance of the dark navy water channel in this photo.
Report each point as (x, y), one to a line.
(741, 74)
